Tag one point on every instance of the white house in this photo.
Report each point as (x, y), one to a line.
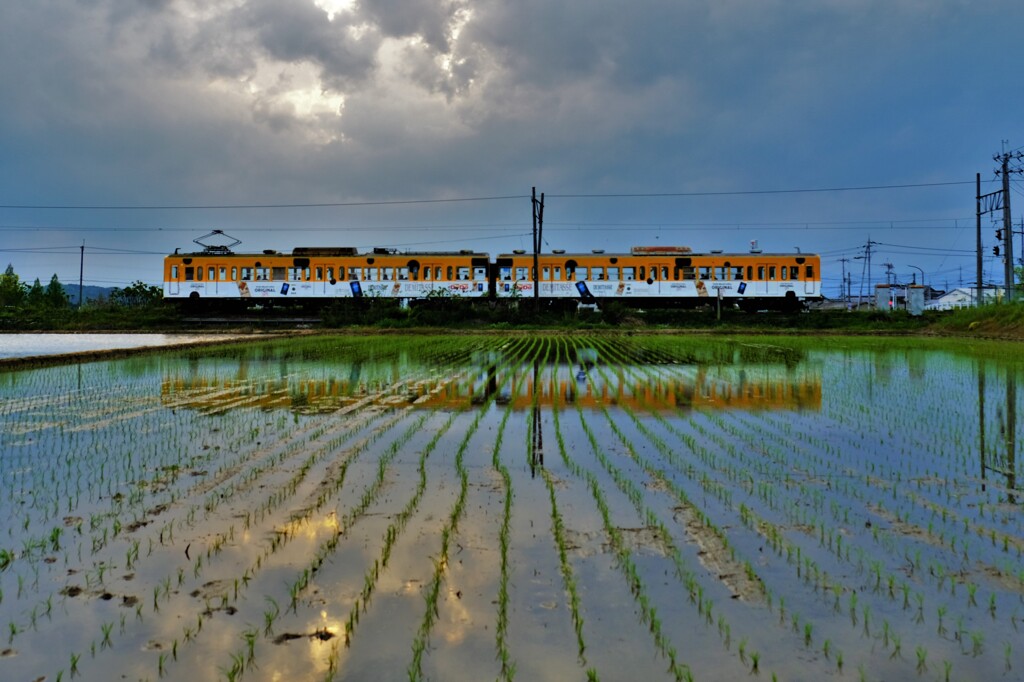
(965, 297)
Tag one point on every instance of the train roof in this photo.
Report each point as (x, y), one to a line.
(623, 254)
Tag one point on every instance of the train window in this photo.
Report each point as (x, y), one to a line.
(190, 273)
(664, 273)
(557, 271)
(760, 272)
(437, 273)
(387, 274)
(809, 272)
(597, 272)
(479, 273)
(771, 272)
(246, 273)
(545, 273)
(449, 273)
(794, 272)
(737, 272)
(462, 272)
(318, 273)
(628, 273)
(403, 273)
(688, 273)
(522, 274)
(263, 273)
(174, 272)
(278, 273)
(294, 274)
(199, 274)
(234, 273)
(372, 274)
(613, 274)
(721, 272)
(505, 272)
(705, 272)
(223, 274)
(211, 274)
(355, 274)
(785, 272)
(643, 272)
(330, 273)
(427, 272)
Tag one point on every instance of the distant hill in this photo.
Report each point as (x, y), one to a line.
(90, 293)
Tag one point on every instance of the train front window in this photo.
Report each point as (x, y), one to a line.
(190, 273)
(479, 273)
(505, 272)
(809, 272)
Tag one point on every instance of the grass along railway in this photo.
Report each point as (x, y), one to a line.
(363, 507)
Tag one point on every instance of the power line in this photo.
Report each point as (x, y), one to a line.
(756, 192)
(401, 202)
(183, 207)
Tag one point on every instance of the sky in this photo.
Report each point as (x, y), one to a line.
(130, 128)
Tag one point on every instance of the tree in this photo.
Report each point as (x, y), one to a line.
(12, 291)
(137, 295)
(36, 296)
(55, 296)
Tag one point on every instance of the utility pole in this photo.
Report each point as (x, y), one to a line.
(81, 272)
(1007, 231)
(538, 237)
(842, 283)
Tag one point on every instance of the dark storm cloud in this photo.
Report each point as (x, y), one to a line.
(250, 101)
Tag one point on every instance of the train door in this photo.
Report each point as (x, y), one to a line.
(761, 270)
(173, 280)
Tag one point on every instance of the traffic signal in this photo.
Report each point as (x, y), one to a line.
(999, 236)
(995, 250)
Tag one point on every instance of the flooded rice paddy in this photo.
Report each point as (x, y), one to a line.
(536, 507)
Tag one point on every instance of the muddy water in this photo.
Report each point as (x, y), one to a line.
(547, 508)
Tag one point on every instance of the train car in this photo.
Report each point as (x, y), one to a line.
(323, 273)
(645, 277)
(663, 277)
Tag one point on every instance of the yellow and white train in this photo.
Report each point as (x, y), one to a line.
(644, 277)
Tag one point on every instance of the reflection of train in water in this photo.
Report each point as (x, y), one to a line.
(753, 388)
(646, 276)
